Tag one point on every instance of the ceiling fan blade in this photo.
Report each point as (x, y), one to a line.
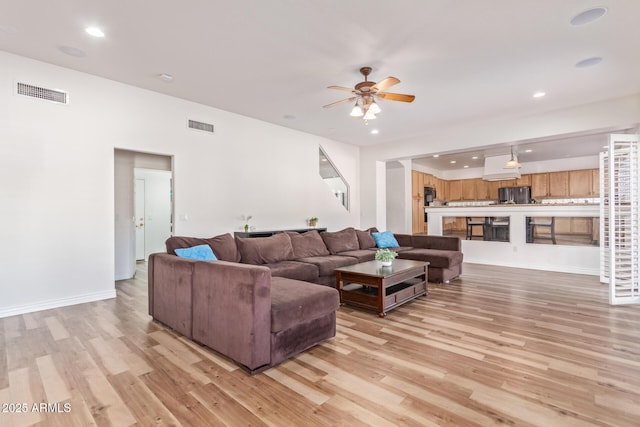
(345, 89)
(353, 98)
(395, 97)
(383, 84)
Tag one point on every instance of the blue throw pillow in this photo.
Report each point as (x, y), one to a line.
(385, 239)
(200, 252)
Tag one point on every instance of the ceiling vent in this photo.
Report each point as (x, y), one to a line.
(205, 127)
(51, 95)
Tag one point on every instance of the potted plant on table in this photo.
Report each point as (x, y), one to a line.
(313, 221)
(385, 257)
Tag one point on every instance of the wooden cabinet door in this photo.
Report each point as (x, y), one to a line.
(580, 183)
(563, 225)
(493, 189)
(482, 189)
(469, 189)
(539, 185)
(524, 180)
(595, 182)
(455, 190)
(559, 184)
(581, 225)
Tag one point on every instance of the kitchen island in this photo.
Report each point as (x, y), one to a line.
(510, 237)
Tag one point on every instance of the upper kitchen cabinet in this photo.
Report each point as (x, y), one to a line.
(523, 181)
(559, 184)
(469, 189)
(455, 189)
(539, 185)
(482, 189)
(580, 183)
(595, 182)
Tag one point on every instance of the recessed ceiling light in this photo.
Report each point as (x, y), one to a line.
(605, 146)
(165, 77)
(375, 131)
(289, 117)
(452, 162)
(474, 158)
(589, 62)
(73, 51)
(94, 31)
(528, 151)
(588, 16)
(436, 155)
(466, 166)
(539, 94)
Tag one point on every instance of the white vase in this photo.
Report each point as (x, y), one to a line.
(386, 263)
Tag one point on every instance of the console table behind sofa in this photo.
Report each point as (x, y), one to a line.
(268, 233)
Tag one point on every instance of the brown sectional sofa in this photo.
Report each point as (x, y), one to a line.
(260, 303)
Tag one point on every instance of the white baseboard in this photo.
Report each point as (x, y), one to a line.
(594, 271)
(56, 303)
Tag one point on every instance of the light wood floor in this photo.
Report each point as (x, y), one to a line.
(500, 346)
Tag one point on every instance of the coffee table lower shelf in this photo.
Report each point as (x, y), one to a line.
(378, 289)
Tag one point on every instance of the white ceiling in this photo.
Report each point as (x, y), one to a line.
(464, 60)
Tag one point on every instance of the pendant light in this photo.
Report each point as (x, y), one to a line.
(513, 163)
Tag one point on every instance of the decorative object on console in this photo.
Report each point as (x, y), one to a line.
(313, 221)
(385, 257)
(246, 219)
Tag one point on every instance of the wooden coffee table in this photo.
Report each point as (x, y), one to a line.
(370, 286)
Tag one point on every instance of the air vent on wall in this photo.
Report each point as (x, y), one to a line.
(51, 95)
(205, 127)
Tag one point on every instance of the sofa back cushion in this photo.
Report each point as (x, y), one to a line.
(265, 250)
(224, 246)
(340, 241)
(365, 239)
(307, 244)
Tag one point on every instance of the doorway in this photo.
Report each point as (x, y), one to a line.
(143, 190)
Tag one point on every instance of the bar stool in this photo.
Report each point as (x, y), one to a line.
(549, 223)
(498, 227)
(474, 223)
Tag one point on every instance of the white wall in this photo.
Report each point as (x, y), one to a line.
(57, 178)
(614, 113)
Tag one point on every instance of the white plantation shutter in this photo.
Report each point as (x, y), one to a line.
(619, 219)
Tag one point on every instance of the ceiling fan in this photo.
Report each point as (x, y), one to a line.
(366, 93)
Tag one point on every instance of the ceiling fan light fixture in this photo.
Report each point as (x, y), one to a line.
(369, 115)
(356, 111)
(374, 108)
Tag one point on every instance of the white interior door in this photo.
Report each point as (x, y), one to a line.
(139, 197)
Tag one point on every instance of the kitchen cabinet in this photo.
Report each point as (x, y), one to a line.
(539, 185)
(482, 189)
(580, 183)
(468, 189)
(595, 182)
(493, 189)
(563, 225)
(523, 181)
(581, 225)
(559, 184)
(455, 190)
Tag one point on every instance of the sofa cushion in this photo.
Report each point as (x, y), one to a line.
(436, 258)
(365, 239)
(362, 255)
(200, 252)
(340, 241)
(265, 250)
(385, 239)
(307, 244)
(294, 302)
(294, 270)
(224, 246)
(328, 264)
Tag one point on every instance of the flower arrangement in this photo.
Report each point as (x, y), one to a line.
(313, 221)
(246, 219)
(385, 256)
